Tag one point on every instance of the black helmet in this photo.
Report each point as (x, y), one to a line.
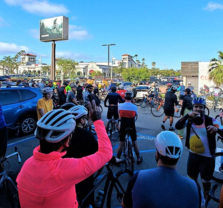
(113, 89)
(67, 106)
(173, 89)
(128, 95)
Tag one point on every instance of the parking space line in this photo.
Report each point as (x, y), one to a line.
(21, 141)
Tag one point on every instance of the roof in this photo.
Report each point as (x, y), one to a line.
(126, 55)
(28, 54)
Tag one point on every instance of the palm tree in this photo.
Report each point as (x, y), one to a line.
(153, 64)
(45, 69)
(216, 69)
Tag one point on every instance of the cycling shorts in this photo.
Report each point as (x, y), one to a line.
(123, 132)
(151, 95)
(169, 113)
(112, 111)
(3, 141)
(181, 97)
(199, 164)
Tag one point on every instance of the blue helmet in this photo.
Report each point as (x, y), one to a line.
(199, 100)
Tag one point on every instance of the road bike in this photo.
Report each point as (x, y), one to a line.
(113, 189)
(8, 184)
(220, 116)
(111, 127)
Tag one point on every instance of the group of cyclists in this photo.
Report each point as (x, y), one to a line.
(62, 166)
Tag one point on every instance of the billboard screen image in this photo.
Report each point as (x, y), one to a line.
(55, 28)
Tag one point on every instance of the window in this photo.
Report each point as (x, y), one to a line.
(27, 94)
(9, 97)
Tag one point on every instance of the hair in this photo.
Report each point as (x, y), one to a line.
(128, 98)
(113, 89)
(47, 147)
(167, 160)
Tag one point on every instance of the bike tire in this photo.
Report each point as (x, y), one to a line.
(117, 190)
(144, 104)
(12, 192)
(138, 102)
(219, 118)
(109, 129)
(131, 157)
(177, 113)
(207, 111)
(218, 175)
(157, 110)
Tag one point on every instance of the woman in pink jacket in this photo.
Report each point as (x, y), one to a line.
(48, 180)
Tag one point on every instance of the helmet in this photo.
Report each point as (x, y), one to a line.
(55, 125)
(198, 100)
(73, 86)
(129, 94)
(169, 145)
(46, 90)
(113, 88)
(169, 84)
(173, 89)
(67, 106)
(78, 111)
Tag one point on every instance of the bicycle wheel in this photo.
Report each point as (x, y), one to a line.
(219, 118)
(177, 111)
(218, 170)
(144, 104)
(12, 192)
(118, 187)
(130, 157)
(157, 110)
(207, 111)
(109, 129)
(138, 102)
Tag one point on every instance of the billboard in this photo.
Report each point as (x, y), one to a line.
(55, 28)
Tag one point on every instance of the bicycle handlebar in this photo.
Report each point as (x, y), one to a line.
(11, 155)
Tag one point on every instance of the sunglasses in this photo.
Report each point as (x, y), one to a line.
(198, 106)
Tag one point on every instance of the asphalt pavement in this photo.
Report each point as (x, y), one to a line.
(148, 127)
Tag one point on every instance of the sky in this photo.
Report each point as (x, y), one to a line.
(161, 31)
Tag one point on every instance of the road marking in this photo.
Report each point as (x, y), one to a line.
(144, 136)
(141, 151)
(21, 141)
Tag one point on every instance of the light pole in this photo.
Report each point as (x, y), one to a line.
(108, 55)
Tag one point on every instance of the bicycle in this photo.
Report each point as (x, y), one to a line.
(111, 127)
(157, 109)
(220, 116)
(113, 189)
(8, 184)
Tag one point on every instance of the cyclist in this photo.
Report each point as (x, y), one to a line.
(168, 87)
(96, 90)
(134, 92)
(121, 91)
(111, 85)
(48, 180)
(186, 108)
(62, 94)
(200, 140)
(182, 92)
(127, 112)
(170, 101)
(83, 143)
(87, 93)
(71, 98)
(190, 86)
(79, 91)
(45, 104)
(113, 99)
(163, 187)
(4, 136)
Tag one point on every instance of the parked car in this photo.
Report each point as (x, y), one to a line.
(19, 107)
(142, 90)
(126, 85)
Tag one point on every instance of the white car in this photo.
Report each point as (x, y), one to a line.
(142, 90)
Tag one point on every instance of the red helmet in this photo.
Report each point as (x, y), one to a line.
(169, 84)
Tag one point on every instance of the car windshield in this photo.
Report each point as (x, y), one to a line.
(127, 83)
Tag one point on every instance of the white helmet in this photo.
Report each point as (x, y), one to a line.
(55, 126)
(78, 111)
(169, 144)
(46, 90)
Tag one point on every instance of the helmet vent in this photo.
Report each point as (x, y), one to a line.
(53, 116)
(56, 134)
(173, 150)
(46, 116)
(60, 118)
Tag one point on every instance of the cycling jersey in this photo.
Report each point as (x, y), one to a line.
(170, 100)
(122, 93)
(46, 105)
(47, 180)
(113, 98)
(162, 187)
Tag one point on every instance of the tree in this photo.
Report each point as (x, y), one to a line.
(96, 73)
(16, 60)
(216, 69)
(143, 62)
(153, 64)
(119, 69)
(45, 69)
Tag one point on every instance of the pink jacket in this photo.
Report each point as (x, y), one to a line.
(47, 180)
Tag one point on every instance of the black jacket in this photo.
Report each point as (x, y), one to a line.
(187, 103)
(211, 137)
(170, 100)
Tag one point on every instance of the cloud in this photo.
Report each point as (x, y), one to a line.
(213, 6)
(73, 18)
(34, 33)
(11, 48)
(3, 22)
(78, 33)
(75, 56)
(40, 7)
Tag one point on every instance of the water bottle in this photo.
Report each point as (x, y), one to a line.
(99, 199)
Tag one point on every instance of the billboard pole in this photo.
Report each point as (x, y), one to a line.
(52, 75)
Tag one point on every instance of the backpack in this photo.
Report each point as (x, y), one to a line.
(97, 100)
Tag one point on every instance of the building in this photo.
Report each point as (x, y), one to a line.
(29, 64)
(198, 74)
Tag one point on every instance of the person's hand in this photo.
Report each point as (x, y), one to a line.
(212, 129)
(94, 113)
(192, 114)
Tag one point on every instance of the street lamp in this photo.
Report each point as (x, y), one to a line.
(108, 55)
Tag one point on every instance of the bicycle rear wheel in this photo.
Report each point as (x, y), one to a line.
(218, 171)
(177, 111)
(131, 157)
(219, 118)
(138, 101)
(109, 129)
(157, 110)
(144, 104)
(12, 192)
(118, 188)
